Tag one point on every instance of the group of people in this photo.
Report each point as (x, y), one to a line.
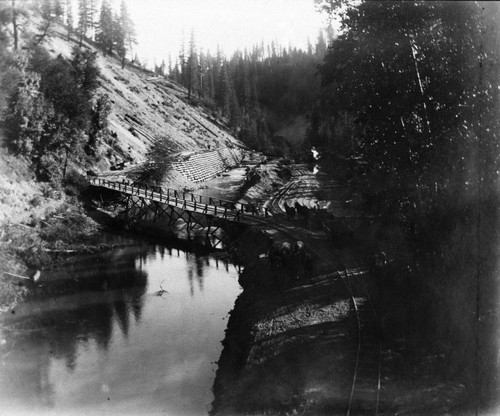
(290, 260)
(301, 210)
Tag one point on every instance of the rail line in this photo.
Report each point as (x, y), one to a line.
(366, 382)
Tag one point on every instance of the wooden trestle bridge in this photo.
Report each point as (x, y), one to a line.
(155, 204)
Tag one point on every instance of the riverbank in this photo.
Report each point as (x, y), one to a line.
(290, 342)
(29, 248)
(39, 224)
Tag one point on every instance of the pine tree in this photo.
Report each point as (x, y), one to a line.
(104, 36)
(176, 73)
(44, 28)
(170, 65)
(92, 19)
(83, 19)
(182, 63)
(217, 68)
(330, 33)
(254, 96)
(46, 9)
(202, 74)
(223, 91)
(128, 27)
(210, 85)
(321, 45)
(58, 9)
(192, 67)
(309, 47)
(15, 24)
(234, 111)
(118, 34)
(242, 84)
(69, 18)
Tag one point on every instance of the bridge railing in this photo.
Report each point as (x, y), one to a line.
(218, 206)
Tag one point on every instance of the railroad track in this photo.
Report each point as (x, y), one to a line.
(365, 390)
(302, 188)
(364, 397)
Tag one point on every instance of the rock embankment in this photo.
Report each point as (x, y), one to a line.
(201, 166)
(287, 339)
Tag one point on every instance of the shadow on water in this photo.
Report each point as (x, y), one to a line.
(139, 324)
(73, 306)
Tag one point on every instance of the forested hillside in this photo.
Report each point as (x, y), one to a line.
(410, 91)
(69, 96)
(72, 105)
(414, 95)
(266, 94)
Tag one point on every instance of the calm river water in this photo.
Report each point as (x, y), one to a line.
(102, 339)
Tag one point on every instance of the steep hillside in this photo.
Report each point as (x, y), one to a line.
(146, 107)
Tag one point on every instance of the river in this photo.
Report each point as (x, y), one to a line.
(137, 329)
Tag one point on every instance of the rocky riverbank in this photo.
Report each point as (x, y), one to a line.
(29, 248)
(40, 225)
(287, 340)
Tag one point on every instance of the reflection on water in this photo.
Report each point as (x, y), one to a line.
(136, 329)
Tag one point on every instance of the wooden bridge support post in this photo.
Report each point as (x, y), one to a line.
(189, 224)
(208, 242)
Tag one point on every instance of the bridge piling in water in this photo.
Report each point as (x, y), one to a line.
(143, 203)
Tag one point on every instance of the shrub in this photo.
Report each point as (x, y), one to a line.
(159, 161)
(74, 183)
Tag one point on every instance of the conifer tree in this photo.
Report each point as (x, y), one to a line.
(202, 74)
(17, 14)
(217, 68)
(182, 63)
(330, 33)
(44, 28)
(170, 65)
(46, 9)
(104, 36)
(69, 18)
(118, 34)
(128, 28)
(321, 44)
(223, 91)
(192, 67)
(210, 85)
(93, 18)
(58, 9)
(309, 47)
(83, 19)
(242, 86)
(176, 73)
(234, 111)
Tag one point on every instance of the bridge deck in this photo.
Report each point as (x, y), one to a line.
(200, 204)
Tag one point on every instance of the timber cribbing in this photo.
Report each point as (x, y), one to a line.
(201, 204)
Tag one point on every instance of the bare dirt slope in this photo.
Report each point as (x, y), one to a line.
(145, 107)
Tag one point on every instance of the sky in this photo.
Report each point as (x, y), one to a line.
(231, 24)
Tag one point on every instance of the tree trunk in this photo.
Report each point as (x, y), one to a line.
(65, 164)
(189, 82)
(420, 86)
(14, 24)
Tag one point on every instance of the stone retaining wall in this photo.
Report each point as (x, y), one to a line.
(202, 166)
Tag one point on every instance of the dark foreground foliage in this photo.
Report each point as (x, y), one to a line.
(411, 88)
